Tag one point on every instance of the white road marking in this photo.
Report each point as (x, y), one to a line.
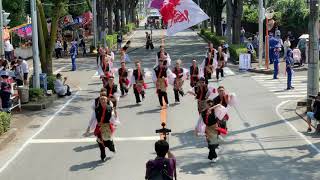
(228, 71)
(294, 128)
(278, 87)
(88, 140)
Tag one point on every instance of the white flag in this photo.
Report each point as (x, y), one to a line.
(182, 15)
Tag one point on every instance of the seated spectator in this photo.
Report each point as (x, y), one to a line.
(315, 114)
(161, 167)
(60, 87)
(5, 94)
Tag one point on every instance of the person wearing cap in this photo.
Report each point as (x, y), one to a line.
(123, 79)
(275, 48)
(194, 73)
(137, 80)
(25, 70)
(160, 75)
(73, 54)
(60, 86)
(178, 81)
(201, 93)
(289, 67)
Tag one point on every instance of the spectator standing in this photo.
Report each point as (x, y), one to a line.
(250, 48)
(73, 54)
(65, 47)
(255, 44)
(302, 47)
(286, 45)
(5, 94)
(25, 70)
(83, 46)
(119, 40)
(58, 49)
(8, 50)
(242, 35)
(161, 167)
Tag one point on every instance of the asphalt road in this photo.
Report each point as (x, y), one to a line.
(262, 144)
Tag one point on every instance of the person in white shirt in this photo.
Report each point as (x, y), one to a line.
(58, 49)
(8, 48)
(286, 45)
(25, 70)
(60, 87)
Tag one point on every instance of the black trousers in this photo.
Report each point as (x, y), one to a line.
(207, 76)
(212, 151)
(162, 94)
(218, 72)
(137, 95)
(123, 89)
(176, 94)
(102, 146)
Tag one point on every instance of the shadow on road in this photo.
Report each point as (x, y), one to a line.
(85, 148)
(88, 165)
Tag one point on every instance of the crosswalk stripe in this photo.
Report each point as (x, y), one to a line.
(278, 87)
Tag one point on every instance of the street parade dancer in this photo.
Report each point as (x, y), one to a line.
(201, 93)
(211, 129)
(93, 120)
(124, 79)
(104, 129)
(162, 54)
(137, 80)
(221, 60)
(208, 65)
(113, 92)
(181, 74)
(194, 73)
(160, 77)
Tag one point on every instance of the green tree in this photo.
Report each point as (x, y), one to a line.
(77, 8)
(17, 11)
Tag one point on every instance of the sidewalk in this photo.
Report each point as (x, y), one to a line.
(282, 68)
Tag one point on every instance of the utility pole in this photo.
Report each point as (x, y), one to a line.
(35, 47)
(229, 20)
(313, 63)
(1, 31)
(261, 17)
(94, 12)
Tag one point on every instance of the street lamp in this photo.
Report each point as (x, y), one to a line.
(269, 15)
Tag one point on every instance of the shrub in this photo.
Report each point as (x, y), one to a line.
(51, 79)
(36, 94)
(216, 40)
(5, 119)
(237, 49)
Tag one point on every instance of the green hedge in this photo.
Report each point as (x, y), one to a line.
(5, 119)
(112, 39)
(36, 94)
(51, 79)
(234, 49)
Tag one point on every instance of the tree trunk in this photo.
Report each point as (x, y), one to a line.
(212, 23)
(237, 10)
(229, 20)
(123, 15)
(42, 45)
(133, 14)
(217, 23)
(117, 19)
(110, 19)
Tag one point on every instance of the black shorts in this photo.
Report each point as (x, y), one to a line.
(25, 76)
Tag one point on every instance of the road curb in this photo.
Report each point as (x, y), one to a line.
(7, 137)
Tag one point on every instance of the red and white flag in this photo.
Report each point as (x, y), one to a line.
(181, 14)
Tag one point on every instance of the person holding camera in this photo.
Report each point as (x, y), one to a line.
(60, 86)
(161, 167)
(315, 114)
